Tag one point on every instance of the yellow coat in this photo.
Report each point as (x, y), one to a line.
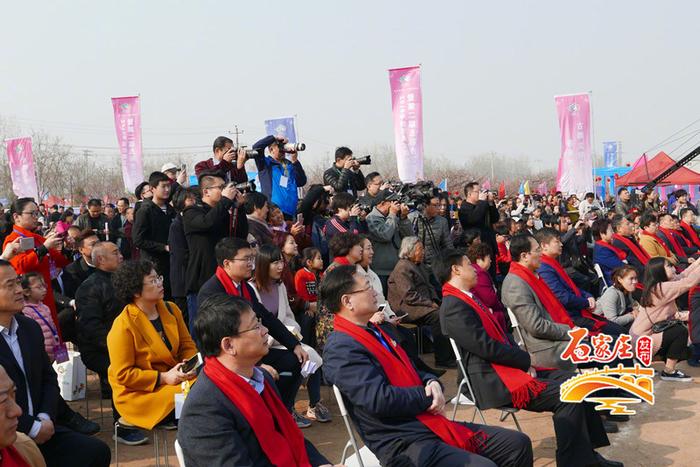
(137, 354)
(654, 248)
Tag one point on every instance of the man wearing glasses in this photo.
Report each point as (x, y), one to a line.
(432, 229)
(236, 259)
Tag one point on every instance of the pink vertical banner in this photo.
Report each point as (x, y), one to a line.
(21, 163)
(407, 109)
(127, 120)
(575, 173)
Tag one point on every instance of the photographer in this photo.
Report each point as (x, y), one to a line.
(345, 175)
(345, 213)
(387, 224)
(374, 183)
(479, 211)
(221, 164)
(279, 177)
(432, 229)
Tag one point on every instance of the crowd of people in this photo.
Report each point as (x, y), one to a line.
(351, 284)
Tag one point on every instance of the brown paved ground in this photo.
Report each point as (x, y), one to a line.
(664, 434)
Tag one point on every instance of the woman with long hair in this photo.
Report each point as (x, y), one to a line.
(272, 294)
(658, 307)
(616, 303)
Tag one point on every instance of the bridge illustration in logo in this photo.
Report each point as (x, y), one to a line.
(638, 381)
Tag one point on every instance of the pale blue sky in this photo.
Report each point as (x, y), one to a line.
(490, 70)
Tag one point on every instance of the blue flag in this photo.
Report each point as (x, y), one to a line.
(521, 190)
(610, 153)
(443, 185)
(282, 127)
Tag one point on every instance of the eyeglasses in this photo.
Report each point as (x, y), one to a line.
(216, 187)
(157, 281)
(369, 287)
(249, 259)
(257, 327)
(31, 213)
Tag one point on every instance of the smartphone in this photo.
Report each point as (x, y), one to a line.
(183, 167)
(388, 314)
(300, 218)
(192, 363)
(26, 243)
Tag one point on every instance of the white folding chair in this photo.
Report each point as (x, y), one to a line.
(599, 272)
(180, 455)
(505, 411)
(363, 457)
(516, 328)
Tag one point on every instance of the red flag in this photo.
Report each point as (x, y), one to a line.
(502, 190)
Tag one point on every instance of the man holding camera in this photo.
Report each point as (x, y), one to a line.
(387, 224)
(345, 175)
(480, 212)
(225, 163)
(280, 177)
(432, 229)
(374, 183)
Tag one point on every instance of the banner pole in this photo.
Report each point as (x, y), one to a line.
(593, 142)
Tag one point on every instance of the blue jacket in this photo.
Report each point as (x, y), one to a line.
(270, 172)
(385, 415)
(564, 293)
(608, 261)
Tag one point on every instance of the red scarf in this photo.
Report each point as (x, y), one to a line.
(677, 248)
(402, 374)
(691, 233)
(638, 252)
(230, 287)
(342, 260)
(12, 458)
(620, 253)
(586, 312)
(549, 301)
(521, 385)
(279, 437)
(661, 242)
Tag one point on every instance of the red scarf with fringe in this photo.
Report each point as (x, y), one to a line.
(230, 287)
(342, 260)
(636, 250)
(620, 253)
(522, 386)
(549, 301)
(677, 248)
(586, 312)
(661, 242)
(279, 436)
(691, 233)
(401, 373)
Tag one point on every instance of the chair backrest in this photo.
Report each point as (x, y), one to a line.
(516, 328)
(180, 455)
(462, 370)
(348, 427)
(599, 272)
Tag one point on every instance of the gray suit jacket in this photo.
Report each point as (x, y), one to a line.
(612, 305)
(544, 338)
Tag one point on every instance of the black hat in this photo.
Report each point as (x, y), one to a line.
(385, 195)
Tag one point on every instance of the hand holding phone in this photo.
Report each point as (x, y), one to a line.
(26, 244)
(192, 363)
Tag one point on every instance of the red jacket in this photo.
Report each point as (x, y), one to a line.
(486, 293)
(225, 169)
(29, 261)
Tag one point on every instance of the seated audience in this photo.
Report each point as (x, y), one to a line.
(484, 289)
(147, 345)
(669, 233)
(502, 375)
(605, 254)
(398, 409)
(650, 241)
(236, 260)
(234, 414)
(544, 322)
(76, 272)
(624, 239)
(687, 227)
(272, 294)
(23, 356)
(617, 303)
(662, 286)
(256, 208)
(411, 292)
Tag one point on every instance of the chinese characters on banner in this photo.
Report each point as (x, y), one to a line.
(21, 163)
(283, 126)
(127, 120)
(636, 381)
(407, 109)
(575, 172)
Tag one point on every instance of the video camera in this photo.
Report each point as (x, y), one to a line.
(363, 160)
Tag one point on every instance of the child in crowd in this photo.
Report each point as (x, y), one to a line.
(34, 292)
(306, 282)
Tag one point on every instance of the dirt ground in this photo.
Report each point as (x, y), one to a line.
(663, 434)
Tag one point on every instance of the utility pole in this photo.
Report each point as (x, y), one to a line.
(236, 132)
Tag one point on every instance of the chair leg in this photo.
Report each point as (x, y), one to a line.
(348, 445)
(165, 448)
(156, 443)
(458, 396)
(515, 419)
(481, 414)
(116, 443)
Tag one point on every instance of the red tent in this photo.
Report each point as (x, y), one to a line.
(643, 173)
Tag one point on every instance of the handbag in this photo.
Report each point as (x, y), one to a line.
(664, 324)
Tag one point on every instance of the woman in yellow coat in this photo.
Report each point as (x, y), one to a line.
(147, 345)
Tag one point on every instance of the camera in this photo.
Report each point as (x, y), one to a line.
(364, 160)
(244, 187)
(417, 195)
(292, 147)
(249, 153)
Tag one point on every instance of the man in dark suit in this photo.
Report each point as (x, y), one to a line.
(623, 238)
(23, 356)
(76, 272)
(401, 423)
(578, 428)
(479, 211)
(235, 261)
(215, 426)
